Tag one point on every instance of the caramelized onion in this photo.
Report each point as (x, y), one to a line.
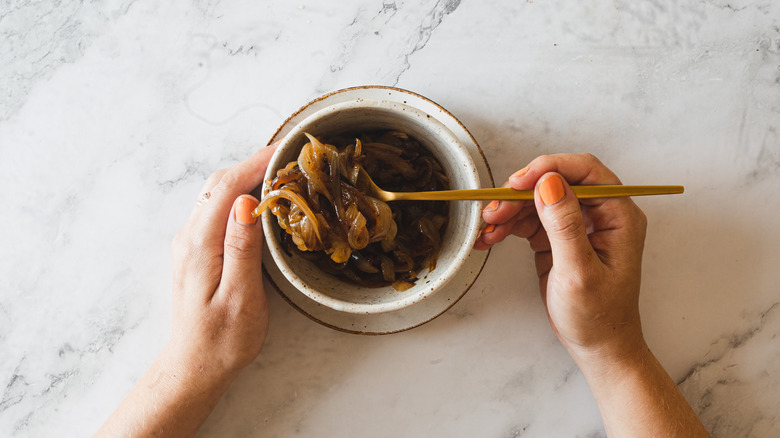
(309, 166)
(358, 233)
(327, 217)
(362, 263)
(294, 199)
(388, 269)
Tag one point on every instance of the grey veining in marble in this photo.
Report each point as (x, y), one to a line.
(113, 113)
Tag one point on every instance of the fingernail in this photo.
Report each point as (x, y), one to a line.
(551, 190)
(492, 206)
(488, 229)
(520, 172)
(244, 207)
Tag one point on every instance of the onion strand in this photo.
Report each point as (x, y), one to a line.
(328, 218)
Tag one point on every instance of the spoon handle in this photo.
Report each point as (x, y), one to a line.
(582, 192)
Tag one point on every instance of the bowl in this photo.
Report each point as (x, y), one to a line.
(364, 115)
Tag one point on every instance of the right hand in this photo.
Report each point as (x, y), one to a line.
(588, 252)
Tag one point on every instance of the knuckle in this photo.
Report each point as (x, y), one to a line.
(635, 219)
(539, 245)
(198, 243)
(191, 246)
(180, 245)
(214, 178)
(641, 219)
(189, 251)
(228, 180)
(590, 158)
(641, 225)
(542, 161)
(567, 225)
(241, 247)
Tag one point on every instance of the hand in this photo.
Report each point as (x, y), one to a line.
(220, 311)
(589, 258)
(588, 252)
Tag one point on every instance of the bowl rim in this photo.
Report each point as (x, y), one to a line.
(441, 279)
(412, 317)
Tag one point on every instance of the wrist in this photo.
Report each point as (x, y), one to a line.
(173, 398)
(612, 357)
(192, 372)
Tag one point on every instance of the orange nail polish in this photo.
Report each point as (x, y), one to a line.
(492, 206)
(520, 172)
(489, 229)
(244, 207)
(551, 190)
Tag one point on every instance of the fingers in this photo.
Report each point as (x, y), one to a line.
(499, 212)
(199, 245)
(543, 261)
(239, 179)
(525, 226)
(213, 179)
(577, 234)
(618, 231)
(481, 246)
(196, 267)
(243, 247)
(577, 169)
(560, 215)
(208, 186)
(608, 215)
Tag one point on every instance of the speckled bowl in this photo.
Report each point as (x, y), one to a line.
(369, 115)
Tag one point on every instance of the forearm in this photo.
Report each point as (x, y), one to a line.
(171, 400)
(636, 396)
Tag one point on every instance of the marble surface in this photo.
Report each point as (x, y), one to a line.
(112, 114)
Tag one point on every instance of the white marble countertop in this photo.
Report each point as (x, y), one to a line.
(112, 114)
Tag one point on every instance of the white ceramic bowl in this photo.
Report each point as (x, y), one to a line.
(363, 115)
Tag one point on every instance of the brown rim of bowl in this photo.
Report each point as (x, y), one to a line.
(490, 176)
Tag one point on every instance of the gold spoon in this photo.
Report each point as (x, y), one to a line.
(501, 194)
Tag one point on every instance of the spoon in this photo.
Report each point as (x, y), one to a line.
(507, 193)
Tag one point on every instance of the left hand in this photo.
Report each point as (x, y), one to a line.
(220, 310)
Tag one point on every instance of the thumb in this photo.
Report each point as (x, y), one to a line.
(560, 215)
(243, 244)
